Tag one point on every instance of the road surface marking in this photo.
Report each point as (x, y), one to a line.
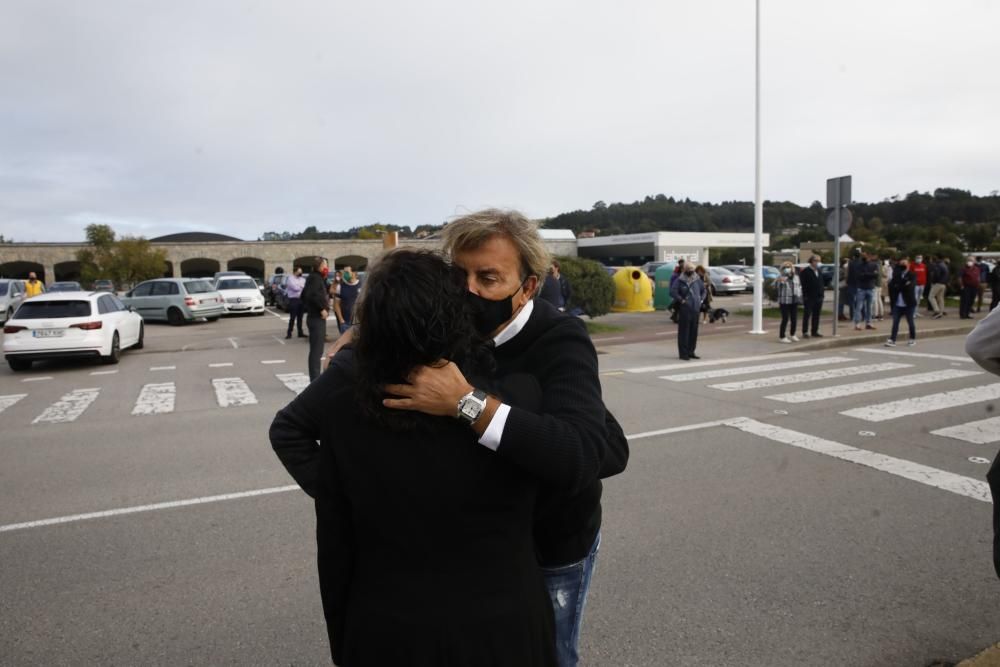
(231, 392)
(146, 508)
(815, 376)
(744, 370)
(665, 333)
(284, 318)
(925, 355)
(604, 340)
(9, 400)
(278, 339)
(162, 368)
(876, 384)
(981, 432)
(37, 379)
(272, 361)
(232, 341)
(222, 364)
(294, 381)
(710, 362)
(69, 407)
(915, 406)
(103, 372)
(678, 429)
(155, 399)
(940, 479)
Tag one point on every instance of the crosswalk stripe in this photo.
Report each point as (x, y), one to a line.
(744, 370)
(903, 353)
(9, 400)
(231, 392)
(981, 432)
(155, 399)
(69, 407)
(963, 486)
(815, 376)
(710, 362)
(294, 381)
(874, 384)
(930, 403)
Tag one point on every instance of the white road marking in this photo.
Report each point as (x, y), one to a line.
(103, 372)
(155, 399)
(294, 381)
(232, 341)
(222, 364)
(37, 379)
(868, 386)
(146, 508)
(9, 400)
(710, 362)
(678, 429)
(981, 432)
(272, 361)
(815, 376)
(744, 370)
(916, 406)
(604, 340)
(69, 407)
(162, 368)
(665, 333)
(278, 339)
(925, 355)
(231, 392)
(940, 479)
(283, 318)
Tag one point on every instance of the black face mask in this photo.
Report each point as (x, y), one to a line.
(490, 314)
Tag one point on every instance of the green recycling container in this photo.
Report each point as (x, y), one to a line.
(661, 286)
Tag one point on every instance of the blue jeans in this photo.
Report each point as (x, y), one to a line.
(568, 586)
(864, 299)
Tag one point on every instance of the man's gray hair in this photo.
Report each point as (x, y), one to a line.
(472, 231)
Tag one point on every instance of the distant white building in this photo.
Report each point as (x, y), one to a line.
(664, 246)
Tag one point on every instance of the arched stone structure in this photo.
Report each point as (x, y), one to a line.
(21, 269)
(250, 265)
(357, 262)
(67, 271)
(168, 269)
(199, 267)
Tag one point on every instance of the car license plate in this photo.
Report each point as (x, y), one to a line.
(47, 333)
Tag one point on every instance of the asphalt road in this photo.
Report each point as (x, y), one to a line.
(764, 528)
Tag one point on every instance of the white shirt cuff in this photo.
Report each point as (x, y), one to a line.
(494, 432)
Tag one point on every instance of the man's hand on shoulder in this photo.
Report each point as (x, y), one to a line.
(433, 390)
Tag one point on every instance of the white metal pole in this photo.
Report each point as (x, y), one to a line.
(758, 210)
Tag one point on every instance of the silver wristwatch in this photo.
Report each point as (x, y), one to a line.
(471, 406)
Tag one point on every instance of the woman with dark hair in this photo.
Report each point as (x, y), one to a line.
(425, 546)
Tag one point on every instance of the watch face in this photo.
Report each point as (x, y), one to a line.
(470, 409)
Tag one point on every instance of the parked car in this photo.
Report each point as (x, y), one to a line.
(649, 268)
(280, 296)
(11, 296)
(104, 286)
(260, 286)
(70, 324)
(724, 281)
(825, 270)
(228, 274)
(749, 272)
(64, 286)
(240, 295)
(176, 300)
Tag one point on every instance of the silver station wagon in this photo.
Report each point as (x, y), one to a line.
(176, 300)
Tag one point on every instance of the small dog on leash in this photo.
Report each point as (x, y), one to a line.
(718, 315)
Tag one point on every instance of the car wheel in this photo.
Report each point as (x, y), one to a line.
(10, 314)
(116, 351)
(18, 364)
(175, 317)
(212, 319)
(142, 333)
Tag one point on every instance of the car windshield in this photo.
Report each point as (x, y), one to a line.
(4, 284)
(65, 287)
(237, 283)
(37, 310)
(722, 271)
(198, 286)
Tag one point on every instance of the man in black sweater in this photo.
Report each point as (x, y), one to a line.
(812, 298)
(572, 442)
(316, 305)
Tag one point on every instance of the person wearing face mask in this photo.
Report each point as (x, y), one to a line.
(812, 298)
(570, 442)
(347, 296)
(316, 305)
(789, 297)
(688, 291)
(903, 297)
(919, 270)
(970, 287)
(293, 290)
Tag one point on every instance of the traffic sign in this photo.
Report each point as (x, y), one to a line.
(838, 191)
(845, 222)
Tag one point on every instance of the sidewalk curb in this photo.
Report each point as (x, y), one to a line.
(830, 342)
(988, 658)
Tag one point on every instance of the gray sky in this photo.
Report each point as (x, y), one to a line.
(242, 117)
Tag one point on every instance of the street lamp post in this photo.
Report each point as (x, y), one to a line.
(758, 209)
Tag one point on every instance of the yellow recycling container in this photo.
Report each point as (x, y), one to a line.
(633, 291)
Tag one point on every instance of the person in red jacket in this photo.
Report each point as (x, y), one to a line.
(919, 270)
(970, 288)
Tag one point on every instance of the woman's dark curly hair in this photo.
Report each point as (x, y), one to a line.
(413, 311)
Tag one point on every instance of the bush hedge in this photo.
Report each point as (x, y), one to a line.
(593, 289)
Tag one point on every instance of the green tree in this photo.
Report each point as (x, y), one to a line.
(593, 290)
(125, 261)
